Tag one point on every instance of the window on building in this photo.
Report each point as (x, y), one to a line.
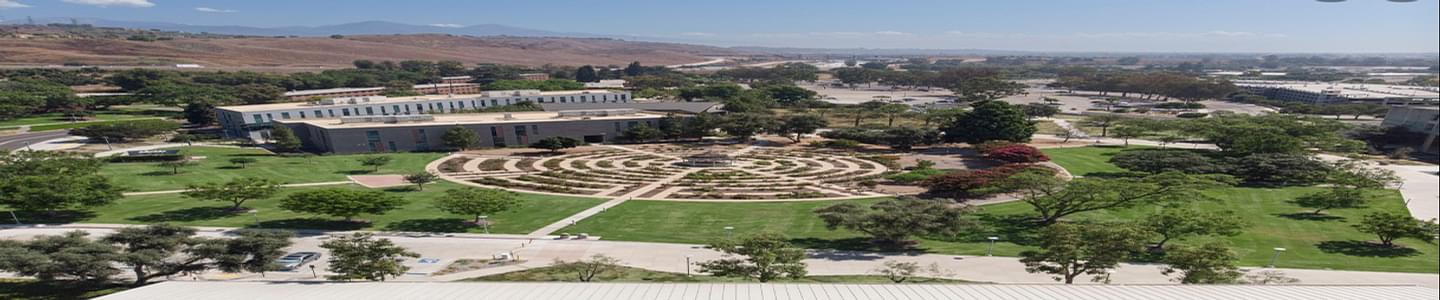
(302, 115)
(535, 129)
(497, 137)
(285, 115)
(372, 139)
(494, 102)
(393, 148)
(258, 118)
(421, 141)
(268, 116)
(369, 111)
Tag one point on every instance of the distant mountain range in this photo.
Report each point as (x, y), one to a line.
(366, 27)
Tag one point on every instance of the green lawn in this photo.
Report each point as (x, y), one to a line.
(1314, 244)
(419, 215)
(215, 167)
(628, 274)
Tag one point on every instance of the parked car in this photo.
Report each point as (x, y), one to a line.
(909, 99)
(295, 260)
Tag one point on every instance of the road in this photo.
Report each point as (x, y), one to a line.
(18, 141)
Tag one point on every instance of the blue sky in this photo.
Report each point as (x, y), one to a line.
(1055, 25)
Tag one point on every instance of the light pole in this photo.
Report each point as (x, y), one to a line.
(255, 214)
(1107, 275)
(687, 265)
(1275, 257)
(729, 230)
(991, 249)
(312, 272)
(485, 222)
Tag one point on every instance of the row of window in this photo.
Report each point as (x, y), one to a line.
(441, 107)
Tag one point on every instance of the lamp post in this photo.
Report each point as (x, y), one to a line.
(1275, 257)
(485, 222)
(255, 214)
(729, 230)
(312, 272)
(1107, 275)
(687, 265)
(991, 249)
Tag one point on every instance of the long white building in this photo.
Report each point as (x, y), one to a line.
(254, 121)
(1327, 92)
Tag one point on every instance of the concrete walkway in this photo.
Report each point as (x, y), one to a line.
(672, 258)
(161, 146)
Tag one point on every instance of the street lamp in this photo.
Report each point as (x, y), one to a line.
(485, 222)
(312, 272)
(729, 230)
(255, 214)
(991, 249)
(687, 265)
(1277, 256)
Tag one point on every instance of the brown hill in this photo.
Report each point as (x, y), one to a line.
(323, 52)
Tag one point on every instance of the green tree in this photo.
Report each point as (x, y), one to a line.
(477, 202)
(1158, 161)
(236, 191)
(51, 257)
(746, 125)
(640, 133)
(1070, 250)
(1039, 110)
(890, 110)
(460, 138)
(420, 179)
(362, 256)
(200, 113)
(50, 180)
(1209, 263)
(242, 161)
(587, 270)
(164, 250)
(763, 257)
(989, 121)
(375, 161)
(891, 224)
(586, 73)
(555, 143)
(127, 130)
(1175, 223)
(1053, 199)
(800, 125)
(1125, 133)
(789, 95)
(1104, 121)
(175, 165)
(904, 137)
(341, 202)
(1333, 198)
(1391, 226)
(285, 139)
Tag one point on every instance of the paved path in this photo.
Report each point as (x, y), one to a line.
(25, 139)
(1419, 185)
(283, 185)
(161, 146)
(672, 258)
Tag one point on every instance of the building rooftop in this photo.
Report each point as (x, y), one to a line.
(685, 107)
(383, 99)
(365, 89)
(1349, 90)
(249, 290)
(473, 118)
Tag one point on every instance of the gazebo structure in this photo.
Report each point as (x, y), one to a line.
(708, 159)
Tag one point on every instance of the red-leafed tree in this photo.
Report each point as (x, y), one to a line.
(1017, 153)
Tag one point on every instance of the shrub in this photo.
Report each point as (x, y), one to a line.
(975, 183)
(1180, 105)
(836, 144)
(1191, 115)
(1017, 153)
(1156, 161)
(987, 146)
(914, 176)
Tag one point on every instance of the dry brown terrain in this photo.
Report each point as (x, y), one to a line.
(324, 52)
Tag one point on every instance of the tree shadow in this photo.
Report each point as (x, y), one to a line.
(160, 173)
(854, 243)
(188, 214)
(1015, 229)
(1305, 216)
(313, 223)
(230, 167)
(354, 172)
(1115, 175)
(432, 225)
(55, 217)
(401, 189)
(1363, 248)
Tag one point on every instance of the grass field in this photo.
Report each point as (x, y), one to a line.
(1316, 244)
(628, 274)
(215, 167)
(419, 215)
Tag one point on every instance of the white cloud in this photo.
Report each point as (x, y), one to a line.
(11, 4)
(215, 10)
(892, 33)
(447, 25)
(108, 3)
